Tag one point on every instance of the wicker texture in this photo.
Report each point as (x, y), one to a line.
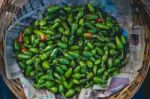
(141, 16)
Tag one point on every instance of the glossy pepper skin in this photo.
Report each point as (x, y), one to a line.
(20, 38)
(53, 9)
(70, 48)
(119, 43)
(70, 93)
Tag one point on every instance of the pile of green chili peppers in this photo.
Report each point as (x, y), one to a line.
(71, 48)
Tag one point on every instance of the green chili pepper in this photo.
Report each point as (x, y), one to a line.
(89, 45)
(57, 76)
(16, 45)
(54, 53)
(70, 93)
(98, 61)
(65, 84)
(99, 51)
(36, 23)
(112, 52)
(71, 40)
(77, 69)
(55, 62)
(74, 28)
(109, 24)
(104, 58)
(110, 63)
(62, 45)
(89, 25)
(47, 84)
(83, 80)
(68, 56)
(82, 64)
(42, 45)
(74, 47)
(68, 73)
(97, 80)
(117, 62)
(81, 21)
(36, 42)
(22, 56)
(74, 55)
(123, 39)
(61, 30)
(59, 70)
(61, 89)
(64, 61)
(80, 42)
(80, 31)
(50, 32)
(100, 71)
(64, 39)
(78, 90)
(72, 64)
(34, 50)
(46, 77)
(87, 54)
(42, 22)
(105, 76)
(29, 62)
(102, 26)
(28, 30)
(111, 45)
(90, 75)
(99, 44)
(67, 8)
(46, 65)
(92, 30)
(119, 43)
(89, 64)
(32, 74)
(91, 17)
(90, 7)
(115, 73)
(76, 76)
(47, 48)
(44, 56)
(26, 40)
(79, 15)
(22, 65)
(64, 67)
(28, 70)
(53, 9)
(55, 25)
(95, 69)
(70, 18)
(53, 89)
(33, 38)
(75, 81)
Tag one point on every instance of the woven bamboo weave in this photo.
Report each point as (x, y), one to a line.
(11, 8)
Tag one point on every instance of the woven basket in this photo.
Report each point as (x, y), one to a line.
(141, 16)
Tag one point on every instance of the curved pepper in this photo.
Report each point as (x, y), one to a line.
(119, 43)
(53, 9)
(68, 73)
(70, 93)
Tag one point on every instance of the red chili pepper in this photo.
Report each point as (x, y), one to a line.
(42, 37)
(23, 49)
(100, 20)
(20, 38)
